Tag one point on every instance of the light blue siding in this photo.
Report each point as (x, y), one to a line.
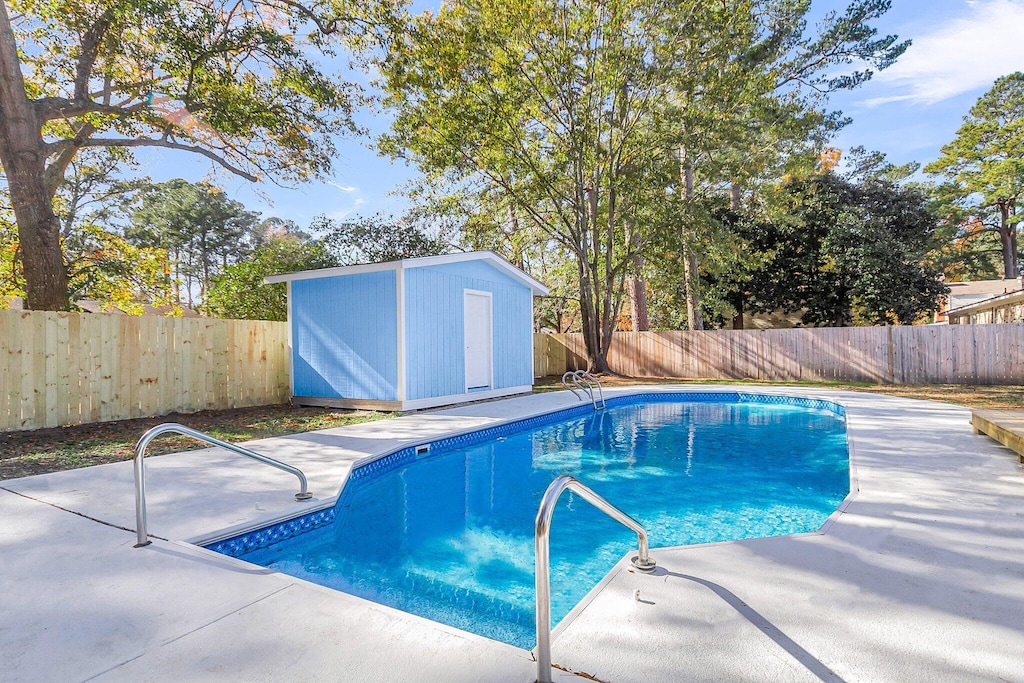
(345, 336)
(477, 270)
(434, 328)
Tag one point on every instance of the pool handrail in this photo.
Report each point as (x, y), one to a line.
(585, 386)
(588, 378)
(571, 375)
(542, 562)
(142, 533)
(585, 382)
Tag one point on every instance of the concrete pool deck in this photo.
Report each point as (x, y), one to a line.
(921, 577)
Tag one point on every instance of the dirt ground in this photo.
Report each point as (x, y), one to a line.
(63, 448)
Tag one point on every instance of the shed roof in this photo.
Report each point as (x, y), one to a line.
(404, 264)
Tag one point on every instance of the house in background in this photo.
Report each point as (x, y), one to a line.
(411, 334)
(967, 302)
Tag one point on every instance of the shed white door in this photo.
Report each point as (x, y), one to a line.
(477, 322)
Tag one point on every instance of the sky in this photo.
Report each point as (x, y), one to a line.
(907, 111)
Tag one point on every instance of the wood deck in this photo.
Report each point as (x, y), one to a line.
(1005, 426)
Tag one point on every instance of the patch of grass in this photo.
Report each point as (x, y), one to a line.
(52, 450)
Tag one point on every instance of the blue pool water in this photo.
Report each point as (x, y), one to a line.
(449, 535)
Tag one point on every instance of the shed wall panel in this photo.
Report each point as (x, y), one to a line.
(345, 342)
(434, 328)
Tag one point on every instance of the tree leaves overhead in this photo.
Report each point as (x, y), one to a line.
(575, 117)
(247, 84)
(244, 80)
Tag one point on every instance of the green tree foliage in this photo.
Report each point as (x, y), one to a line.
(239, 82)
(239, 291)
(197, 224)
(375, 239)
(725, 257)
(586, 120)
(101, 265)
(12, 280)
(983, 170)
(844, 251)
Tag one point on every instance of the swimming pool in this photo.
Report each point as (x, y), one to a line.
(445, 530)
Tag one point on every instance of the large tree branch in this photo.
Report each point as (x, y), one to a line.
(15, 109)
(51, 108)
(61, 145)
(89, 49)
(55, 170)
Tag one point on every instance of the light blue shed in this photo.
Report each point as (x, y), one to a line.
(411, 334)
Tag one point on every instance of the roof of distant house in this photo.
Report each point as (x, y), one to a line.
(967, 293)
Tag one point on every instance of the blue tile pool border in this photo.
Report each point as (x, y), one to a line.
(247, 542)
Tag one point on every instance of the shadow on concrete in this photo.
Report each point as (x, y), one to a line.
(806, 659)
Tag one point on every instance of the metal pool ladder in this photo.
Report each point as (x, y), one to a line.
(585, 384)
(542, 568)
(171, 427)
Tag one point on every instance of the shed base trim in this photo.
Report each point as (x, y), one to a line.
(356, 403)
(415, 404)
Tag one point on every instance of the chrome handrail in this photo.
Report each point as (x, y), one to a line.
(587, 377)
(542, 561)
(583, 383)
(578, 376)
(572, 375)
(140, 470)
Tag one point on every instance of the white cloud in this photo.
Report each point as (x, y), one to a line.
(343, 213)
(343, 188)
(340, 214)
(961, 55)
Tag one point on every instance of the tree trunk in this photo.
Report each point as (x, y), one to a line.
(23, 156)
(590, 321)
(596, 343)
(637, 290)
(737, 320)
(1008, 237)
(694, 319)
(636, 287)
(734, 205)
(518, 253)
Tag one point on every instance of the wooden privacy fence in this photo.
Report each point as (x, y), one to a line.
(70, 368)
(923, 354)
